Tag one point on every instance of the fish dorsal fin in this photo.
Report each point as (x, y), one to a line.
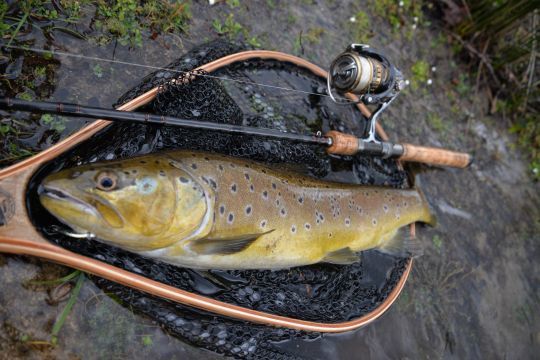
(402, 244)
(343, 256)
(224, 246)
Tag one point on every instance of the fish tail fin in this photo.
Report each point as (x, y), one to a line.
(428, 215)
(403, 244)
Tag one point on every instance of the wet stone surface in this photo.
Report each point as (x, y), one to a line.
(474, 293)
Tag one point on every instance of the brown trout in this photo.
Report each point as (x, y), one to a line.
(211, 211)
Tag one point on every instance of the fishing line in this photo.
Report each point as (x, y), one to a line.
(93, 58)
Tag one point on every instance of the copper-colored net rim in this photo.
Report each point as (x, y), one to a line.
(19, 236)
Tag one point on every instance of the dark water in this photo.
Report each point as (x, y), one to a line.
(475, 292)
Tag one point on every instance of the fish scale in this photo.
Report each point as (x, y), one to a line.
(255, 217)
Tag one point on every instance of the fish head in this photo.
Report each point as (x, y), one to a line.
(139, 204)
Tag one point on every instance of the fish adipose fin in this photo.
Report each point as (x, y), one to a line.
(343, 256)
(402, 244)
(225, 246)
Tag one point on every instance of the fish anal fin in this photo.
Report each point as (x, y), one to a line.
(402, 244)
(225, 246)
(343, 256)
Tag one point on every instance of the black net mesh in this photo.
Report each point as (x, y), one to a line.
(323, 292)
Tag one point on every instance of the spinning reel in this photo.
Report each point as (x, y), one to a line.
(368, 74)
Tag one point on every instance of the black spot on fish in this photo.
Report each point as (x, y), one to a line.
(133, 171)
(233, 188)
(230, 218)
(307, 226)
(222, 209)
(283, 212)
(194, 166)
(263, 171)
(142, 162)
(347, 221)
(374, 222)
(248, 210)
(220, 167)
(265, 194)
(251, 188)
(207, 159)
(184, 180)
(293, 229)
(232, 165)
(278, 202)
(300, 200)
(247, 176)
(161, 173)
(156, 161)
(263, 223)
(213, 183)
(125, 173)
(274, 186)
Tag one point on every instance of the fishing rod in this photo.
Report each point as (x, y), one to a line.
(337, 143)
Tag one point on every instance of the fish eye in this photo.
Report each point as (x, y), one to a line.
(106, 181)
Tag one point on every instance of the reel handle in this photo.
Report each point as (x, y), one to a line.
(347, 144)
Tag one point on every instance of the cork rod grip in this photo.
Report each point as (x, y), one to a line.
(342, 144)
(435, 156)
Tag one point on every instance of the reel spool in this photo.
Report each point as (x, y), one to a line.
(366, 73)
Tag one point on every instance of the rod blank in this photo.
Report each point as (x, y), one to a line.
(338, 143)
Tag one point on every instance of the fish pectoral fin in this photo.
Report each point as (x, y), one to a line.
(225, 246)
(402, 244)
(343, 256)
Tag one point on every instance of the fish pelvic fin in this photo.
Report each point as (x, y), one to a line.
(343, 256)
(225, 246)
(402, 244)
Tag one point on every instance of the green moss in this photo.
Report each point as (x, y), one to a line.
(437, 123)
(55, 122)
(147, 340)
(313, 35)
(399, 13)
(437, 242)
(235, 30)
(124, 20)
(230, 27)
(361, 27)
(463, 87)
(527, 128)
(420, 73)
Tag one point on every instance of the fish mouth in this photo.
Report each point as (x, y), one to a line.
(94, 205)
(62, 195)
